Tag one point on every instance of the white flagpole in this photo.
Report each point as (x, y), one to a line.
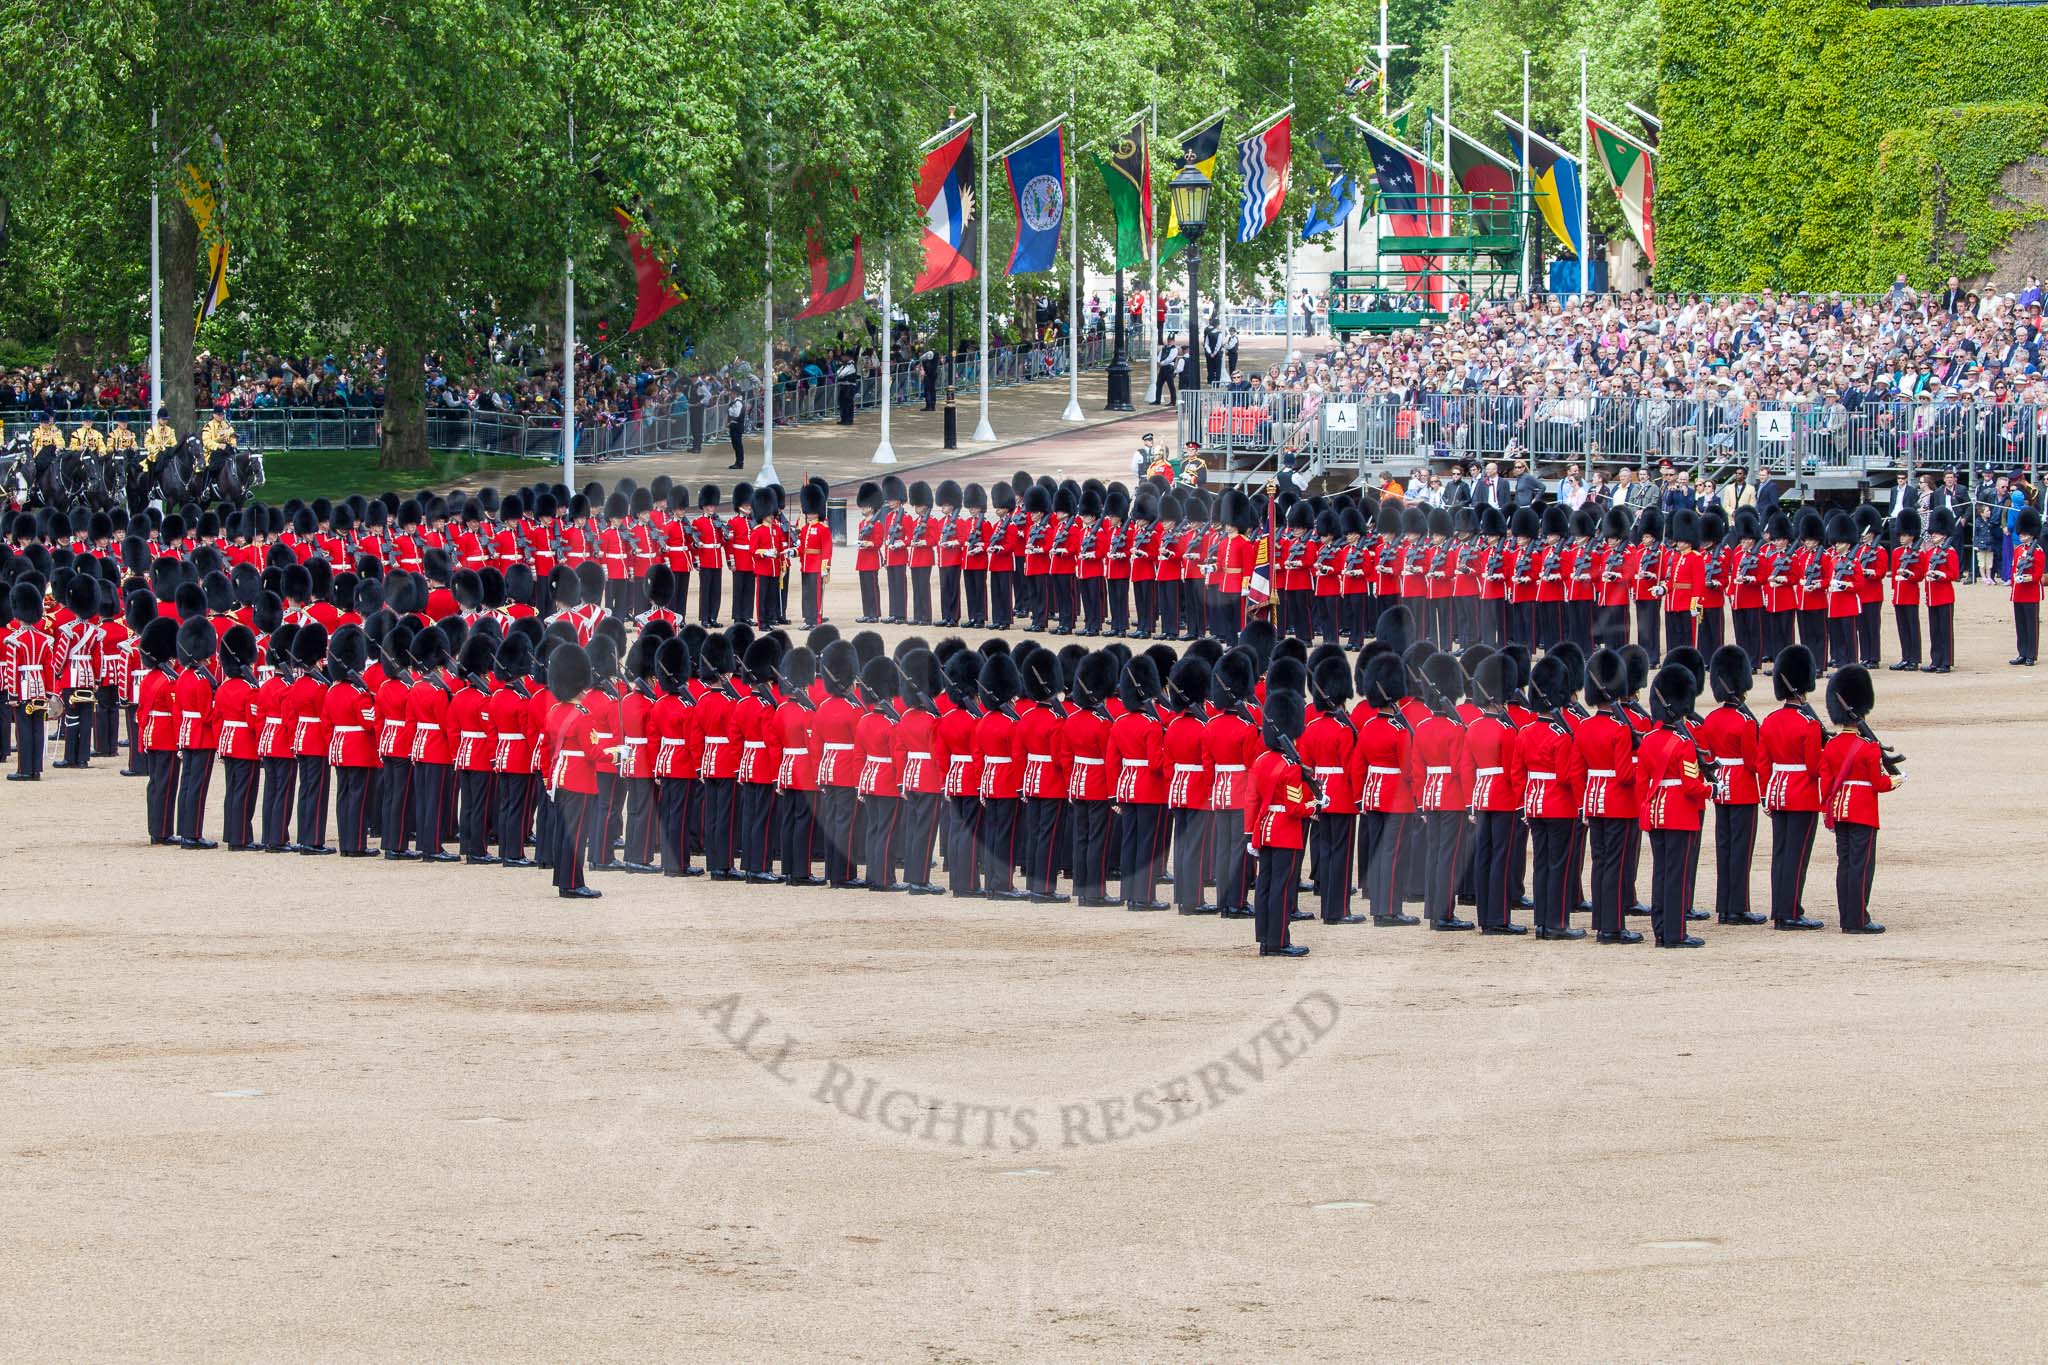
(1073, 209)
(1528, 227)
(886, 453)
(982, 430)
(768, 477)
(1585, 243)
(569, 345)
(156, 303)
(1149, 326)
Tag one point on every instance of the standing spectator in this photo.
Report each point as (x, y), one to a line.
(1528, 488)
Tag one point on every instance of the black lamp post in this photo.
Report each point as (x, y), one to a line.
(1119, 359)
(1190, 191)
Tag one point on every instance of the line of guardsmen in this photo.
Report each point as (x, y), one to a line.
(426, 715)
(1092, 560)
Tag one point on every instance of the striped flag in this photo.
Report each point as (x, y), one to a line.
(1259, 591)
(1262, 165)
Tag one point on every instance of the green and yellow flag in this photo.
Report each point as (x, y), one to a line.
(1127, 175)
(1202, 145)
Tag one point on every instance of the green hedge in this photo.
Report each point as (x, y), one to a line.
(1819, 144)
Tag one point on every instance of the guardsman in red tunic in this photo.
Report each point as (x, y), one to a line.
(1903, 569)
(1496, 797)
(951, 534)
(1745, 579)
(1728, 735)
(1084, 741)
(1063, 563)
(707, 548)
(869, 551)
(959, 712)
(1328, 744)
(568, 748)
(1137, 762)
(1855, 769)
(433, 751)
(1790, 743)
(474, 743)
(27, 679)
(1445, 770)
(1189, 782)
(1940, 568)
(881, 784)
(1230, 744)
(1607, 741)
(1114, 537)
(813, 554)
(1041, 719)
(1284, 797)
(738, 534)
(1674, 800)
(719, 775)
(1382, 768)
(896, 525)
(394, 742)
(1640, 567)
(1781, 592)
(1144, 546)
(2029, 563)
(1843, 605)
(1004, 532)
(1552, 772)
(1093, 535)
(753, 727)
(197, 738)
(1000, 756)
(673, 731)
(349, 711)
(920, 768)
(156, 721)
(276, 727)
(833, 734)
(1681, 581)
(773, 548)
(234, 709)
(921, 531)
(305, 702)
(971, 532)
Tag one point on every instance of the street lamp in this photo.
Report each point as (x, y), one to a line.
(1190, 191)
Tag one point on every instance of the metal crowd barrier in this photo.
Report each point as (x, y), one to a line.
(1370, 434)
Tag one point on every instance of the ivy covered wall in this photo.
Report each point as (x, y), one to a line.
(1819, 144)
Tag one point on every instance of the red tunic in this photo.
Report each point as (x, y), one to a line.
(1551, 770)
(1137, 753)
(1852, 775)
(1790, 741)
(1674, 794)
(1281, 799)
(1729, 738)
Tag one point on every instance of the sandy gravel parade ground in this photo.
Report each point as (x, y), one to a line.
(276, 1108)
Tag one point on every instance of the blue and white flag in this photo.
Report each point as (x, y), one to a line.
(1262, 163)
(1038, 192)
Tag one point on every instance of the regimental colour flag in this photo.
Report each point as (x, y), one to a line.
(1554, 182)
(655, 292)
(1201, 146)
(943, 192)
(1262, 165)
(1038, 193)
(1406, 184)
(1634, 172)
(1127, 176)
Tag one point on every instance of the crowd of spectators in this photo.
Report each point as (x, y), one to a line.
(1904, 378)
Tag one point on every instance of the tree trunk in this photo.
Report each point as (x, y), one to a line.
(405, 404)
(181, 248)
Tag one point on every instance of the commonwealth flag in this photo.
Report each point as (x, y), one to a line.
(197, 192)
(1127, 176)
(1202, 145)
(1634, 173)
(1553, 181)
